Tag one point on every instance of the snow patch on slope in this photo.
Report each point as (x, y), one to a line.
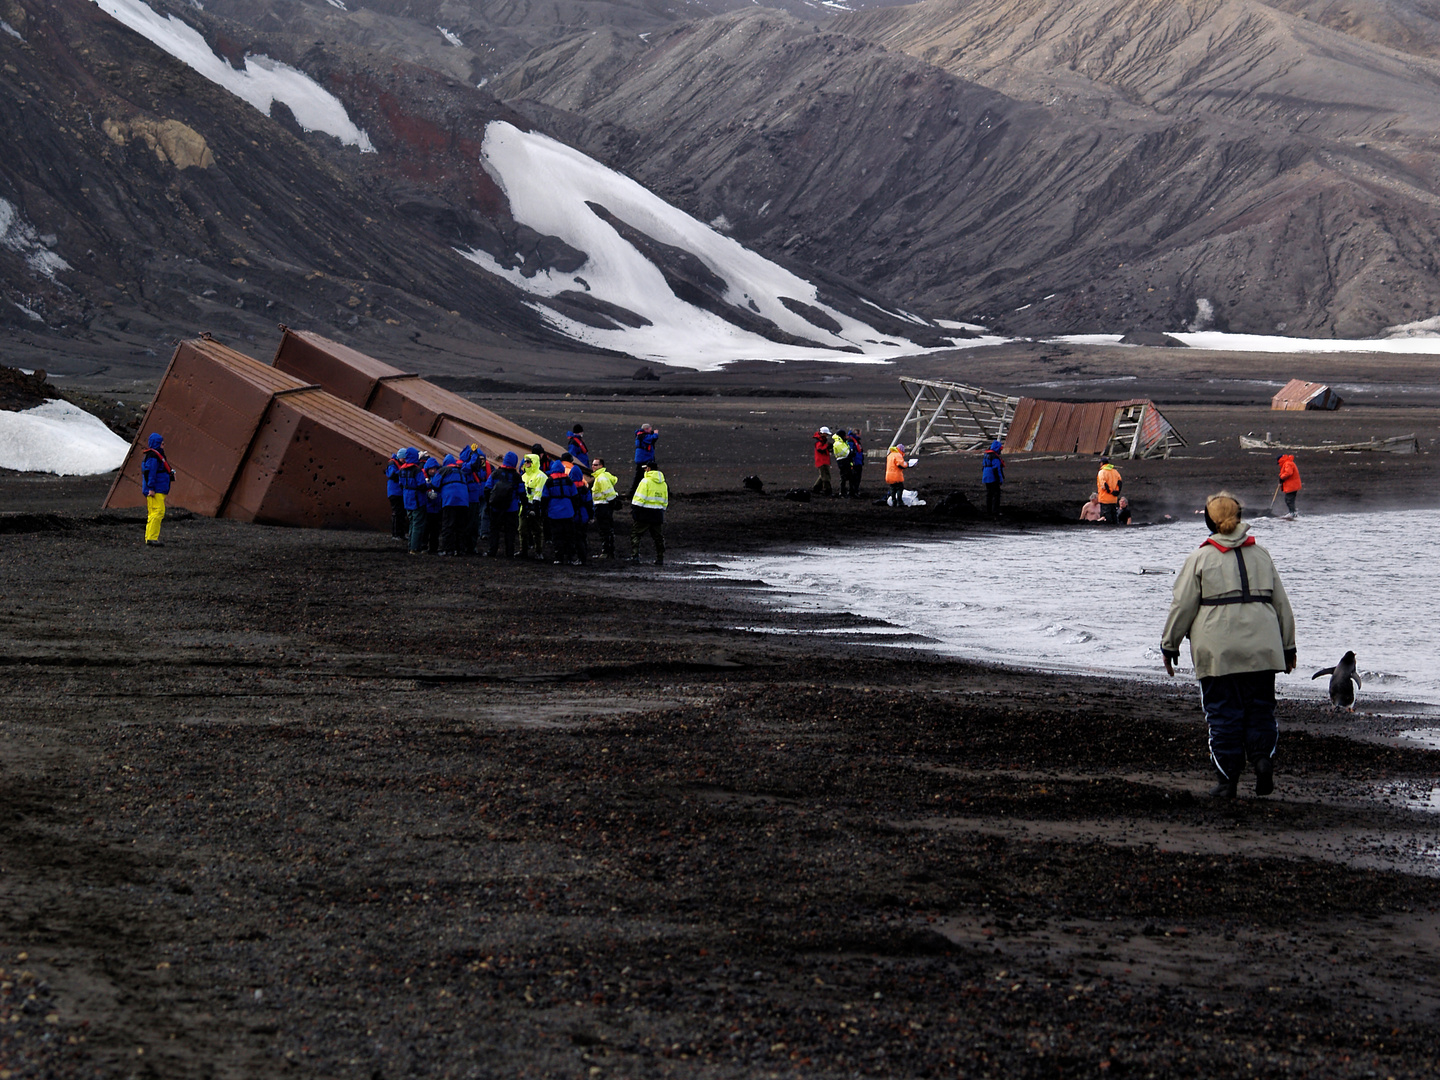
(58, 437)
(263, 82)
(19, 236)
(549, 185)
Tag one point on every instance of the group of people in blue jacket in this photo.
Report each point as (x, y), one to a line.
(465, 504)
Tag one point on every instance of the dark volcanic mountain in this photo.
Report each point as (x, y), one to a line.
(1052, 165)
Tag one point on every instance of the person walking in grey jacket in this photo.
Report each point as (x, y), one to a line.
(1230, 603)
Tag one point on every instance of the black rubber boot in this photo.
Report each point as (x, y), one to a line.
(1227, 779)
(1264, 776)
(1223, 789)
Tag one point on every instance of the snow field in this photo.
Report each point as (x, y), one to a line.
(59, 438)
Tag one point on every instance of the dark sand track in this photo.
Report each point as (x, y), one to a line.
(281, 802)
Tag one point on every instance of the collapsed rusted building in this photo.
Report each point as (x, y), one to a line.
(1298, 395)
(303, 440)
(955, 417)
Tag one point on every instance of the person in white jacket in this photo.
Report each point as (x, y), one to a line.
(1230, 603)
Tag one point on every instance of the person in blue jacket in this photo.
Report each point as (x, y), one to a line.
(476, 471)
(992, 475)
(645, 440)
(503, 492)
(584, 512)
(575, 444)
(857, 461)
(399, 518)
(454, 504)
(412, 491)
(432, 507)
(557, 506)
(155, 477)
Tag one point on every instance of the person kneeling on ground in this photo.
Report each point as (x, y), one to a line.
(1092, 510)
(155, 477)
(647, 507)
(1228, 600)
(1122, 511)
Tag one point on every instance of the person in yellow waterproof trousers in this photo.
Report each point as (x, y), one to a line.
(155, 477)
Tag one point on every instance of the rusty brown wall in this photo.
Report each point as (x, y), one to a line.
(208, 407)
(419, 405)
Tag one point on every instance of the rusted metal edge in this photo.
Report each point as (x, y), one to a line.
(144, 423)
(375, 386)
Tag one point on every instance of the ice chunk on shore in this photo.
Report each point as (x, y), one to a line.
(60, 438)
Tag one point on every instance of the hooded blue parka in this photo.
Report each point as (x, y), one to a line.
(155, 471)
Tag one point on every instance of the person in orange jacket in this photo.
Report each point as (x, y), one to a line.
(1107, 486)
(895, 466)
(1289, 481)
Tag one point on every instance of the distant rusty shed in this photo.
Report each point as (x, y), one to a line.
(1298, 395)
(252, 443)
(405, 398)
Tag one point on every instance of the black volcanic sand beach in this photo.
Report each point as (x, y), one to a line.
(277, 801)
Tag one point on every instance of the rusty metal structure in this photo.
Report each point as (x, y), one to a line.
(951, 417)
(401, 397)
(1119, 429)
(1298, 395)
(255, 442)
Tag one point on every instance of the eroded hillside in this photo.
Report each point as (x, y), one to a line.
(1091, 210)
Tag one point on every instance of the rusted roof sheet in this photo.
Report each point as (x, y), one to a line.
(1062, 427)
(252, 443)
(1298, 394)
(406, 399)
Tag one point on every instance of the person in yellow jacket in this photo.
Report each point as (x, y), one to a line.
(1107, 486)
(844, 460)
(532, 527)
(605, 493)
(648, 506)
(895, 466)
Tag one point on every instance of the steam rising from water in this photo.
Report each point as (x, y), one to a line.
(1075, 600)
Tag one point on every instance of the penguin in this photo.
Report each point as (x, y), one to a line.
(1342, 694)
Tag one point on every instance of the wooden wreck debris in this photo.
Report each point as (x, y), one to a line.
(1396, 444)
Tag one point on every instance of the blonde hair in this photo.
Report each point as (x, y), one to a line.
(1224, 510)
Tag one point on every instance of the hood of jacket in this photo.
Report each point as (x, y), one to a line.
(431, 463)
(450, 460)
(995, 447)
(1234, 538)
(410, 456)
(532, 463)
(509, 461)
(155, 441)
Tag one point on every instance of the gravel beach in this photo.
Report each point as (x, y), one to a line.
(279, 801)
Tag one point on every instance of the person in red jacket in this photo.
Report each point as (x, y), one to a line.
(1289, 481)
(823, 441)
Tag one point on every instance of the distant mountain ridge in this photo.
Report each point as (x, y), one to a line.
(1133, 159)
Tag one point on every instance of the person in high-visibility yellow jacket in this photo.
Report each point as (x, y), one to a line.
(532, 527)
(647, 507)
(603, 487)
